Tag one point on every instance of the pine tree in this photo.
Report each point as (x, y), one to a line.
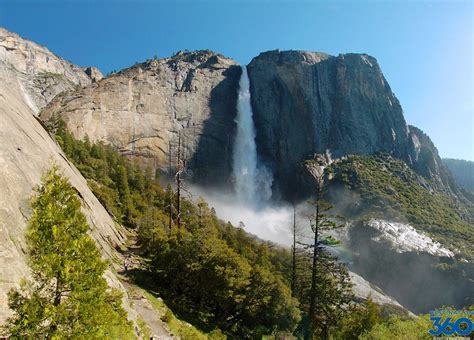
(293, 254)
(121, 180)
(169, 206)
(68, 297)
(330, 288)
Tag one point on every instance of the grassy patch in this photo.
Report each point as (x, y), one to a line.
(144, 329)
(176, 325)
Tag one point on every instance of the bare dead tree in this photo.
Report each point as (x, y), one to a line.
(170, 157)
(180, 165)
(321, 220)
(170, 209)
(314, 227)
(293, 255)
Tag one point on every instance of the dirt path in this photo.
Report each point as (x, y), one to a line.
(147, 313)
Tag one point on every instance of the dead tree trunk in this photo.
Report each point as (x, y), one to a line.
(293, 267)
(314, 272)
(179, 170)
(170, 206)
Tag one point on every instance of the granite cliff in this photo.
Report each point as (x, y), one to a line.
(27, 151)
(141, 110)
(306, 103)
(303, 103)
(36, 73)
(463, 172)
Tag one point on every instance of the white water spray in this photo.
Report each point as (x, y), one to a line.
(253, 181)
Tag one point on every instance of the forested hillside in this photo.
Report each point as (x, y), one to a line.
(215, 275)
(390, 188)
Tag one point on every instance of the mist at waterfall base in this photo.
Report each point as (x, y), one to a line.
(249, 203)
(271, 223)
(414, 278)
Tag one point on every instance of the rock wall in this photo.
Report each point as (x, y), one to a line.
(306, 103)
(303, 103)
(27, 152)
(426, 162)
(413, 277)
(141, 110)
(463, 172)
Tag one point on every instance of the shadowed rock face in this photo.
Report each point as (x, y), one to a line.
(463, 172)
(142, 109)
(306, 103)
(427, 163)
(414, 278)
(303, 103)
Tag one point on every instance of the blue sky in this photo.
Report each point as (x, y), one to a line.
(425, 48)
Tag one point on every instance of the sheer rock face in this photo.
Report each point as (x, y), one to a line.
(141, 110)
(36, 73)
(427, 163)
(306, 103)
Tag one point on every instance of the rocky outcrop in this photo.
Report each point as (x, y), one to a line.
(36, 73)
(409, 270)
(141, 110)
(426, 162)
(306, 103)
(93, 73)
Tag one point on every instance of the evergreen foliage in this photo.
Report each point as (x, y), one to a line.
(325, 288)
(68, 298)
(361, 319)
(399, 329)
(236, 289)
(211, 272)
(216, 275)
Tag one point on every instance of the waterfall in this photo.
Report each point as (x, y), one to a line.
(253, 181)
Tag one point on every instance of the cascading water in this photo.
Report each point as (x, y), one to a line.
(253, 181)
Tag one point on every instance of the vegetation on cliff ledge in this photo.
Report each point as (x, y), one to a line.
(388, 185)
